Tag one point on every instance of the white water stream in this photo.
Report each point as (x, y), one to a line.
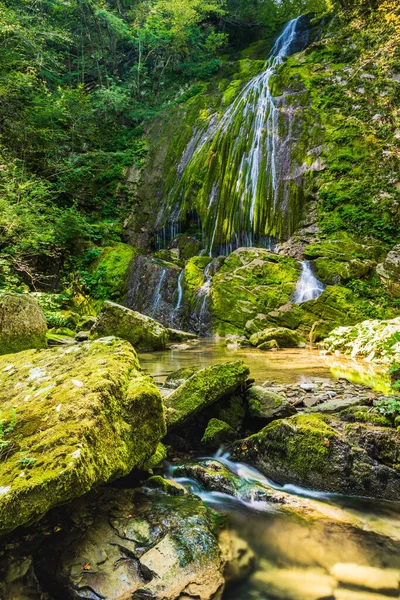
(308, 287)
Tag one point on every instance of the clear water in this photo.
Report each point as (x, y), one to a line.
(295, 550)
(292, 365)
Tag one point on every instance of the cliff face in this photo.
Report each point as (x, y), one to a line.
(223, 161)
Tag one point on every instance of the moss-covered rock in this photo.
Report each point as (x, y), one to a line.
(187, 246)
(331, 271)
(72, 418)
(285, 338)
(141, 331)
(110, 271)
(217, 434)
(177, 378)
(203, 389)
(267, 405)
(22, 324)
(324, 453)
(251, 281)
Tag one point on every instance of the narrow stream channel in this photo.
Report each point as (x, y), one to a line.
(305, 552)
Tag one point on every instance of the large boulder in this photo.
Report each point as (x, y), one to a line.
(72, 418)
(141, 331)
(321, 452)
(204, 388)
(251, 281)
(285, 338)
(267, 405)
(22, 324)
(147, 543)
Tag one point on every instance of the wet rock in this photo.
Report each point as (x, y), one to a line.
(267, 405)
(177, 378)
(296, 584)
(23, 324)
(82, 336)
(217, 434)
(323, 453)
(334, 406)
(142, 332)
(389, 271)
(385, 581)
(175, 335)
(153, 290)
(142, 546)
(73, 418)
(286, 338)
(204, 388)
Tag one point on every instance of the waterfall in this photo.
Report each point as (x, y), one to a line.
(157, 293)
(308, 287)
(244, 194)
(203, 294)
(180, 291)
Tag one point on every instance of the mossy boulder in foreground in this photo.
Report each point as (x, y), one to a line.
(73, 418)
(203, 389)
(323, 453)
(142, 332)
(22, 324)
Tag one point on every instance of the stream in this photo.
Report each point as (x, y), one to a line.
(317, 546)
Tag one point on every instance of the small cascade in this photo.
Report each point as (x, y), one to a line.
(157, 294)
(178, 306)
(308, 286)
(246, 195)
(203, 294)
(180, 291)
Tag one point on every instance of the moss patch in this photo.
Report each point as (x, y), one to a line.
(84, 415)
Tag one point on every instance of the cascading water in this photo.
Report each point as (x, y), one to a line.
(180, 291)
(243, 198)
(157, 293)
(203, 294)
(308, 287)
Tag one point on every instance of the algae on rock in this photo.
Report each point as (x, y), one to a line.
(22, 323)
(75, 417)
(204, 388)
(323, 453)
(142, 332)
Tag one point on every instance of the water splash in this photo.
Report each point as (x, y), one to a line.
(308, 286)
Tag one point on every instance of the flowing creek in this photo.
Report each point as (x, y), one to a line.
(317, 546)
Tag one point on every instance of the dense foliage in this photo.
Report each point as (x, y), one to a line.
(78, 80)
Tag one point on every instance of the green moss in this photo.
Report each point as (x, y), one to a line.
(217, 433)
(156, 459)
(141, 331)
(204, 388)
(85, 416)
(23, 324)
(110, 271)
(285, 338)
(250, 282)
